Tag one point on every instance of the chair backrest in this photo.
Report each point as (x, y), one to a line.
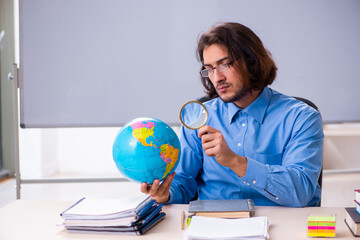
(311, 104)
(308, 102)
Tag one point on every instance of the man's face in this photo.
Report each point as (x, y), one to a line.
(229, 84)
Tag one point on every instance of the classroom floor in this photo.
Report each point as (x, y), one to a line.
(338, 190)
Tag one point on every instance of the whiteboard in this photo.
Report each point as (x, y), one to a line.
(87, 63)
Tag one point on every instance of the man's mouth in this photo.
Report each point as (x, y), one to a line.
(222, 88)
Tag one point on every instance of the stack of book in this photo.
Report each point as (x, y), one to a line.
(352, 218)
(112, 216)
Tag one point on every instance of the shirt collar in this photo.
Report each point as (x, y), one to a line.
(256, 109)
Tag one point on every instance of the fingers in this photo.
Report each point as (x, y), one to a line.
(211, 140)
(150, 189)
(154, 187)
(205, 129)
(210, 148)
(145, 188)
(158, 191)
(167, 182)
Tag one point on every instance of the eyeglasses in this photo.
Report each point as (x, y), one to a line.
(220, 68)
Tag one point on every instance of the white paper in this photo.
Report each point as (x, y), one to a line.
(219, 228)
(90, 206)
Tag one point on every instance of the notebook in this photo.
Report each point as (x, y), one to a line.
(232, 208)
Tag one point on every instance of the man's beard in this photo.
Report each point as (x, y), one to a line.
(237, 96)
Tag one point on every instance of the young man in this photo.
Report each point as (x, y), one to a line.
(257, 143)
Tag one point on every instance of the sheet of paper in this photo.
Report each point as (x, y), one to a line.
(90, 206)
(219, 228)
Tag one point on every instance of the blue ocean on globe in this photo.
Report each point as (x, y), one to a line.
(146, 149)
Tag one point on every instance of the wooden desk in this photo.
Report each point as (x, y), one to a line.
(30, 219)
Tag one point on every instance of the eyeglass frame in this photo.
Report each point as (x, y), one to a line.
(210, 71)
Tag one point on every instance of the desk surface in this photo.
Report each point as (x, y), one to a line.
(26, 219)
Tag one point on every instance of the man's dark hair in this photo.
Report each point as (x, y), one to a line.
(246, 53)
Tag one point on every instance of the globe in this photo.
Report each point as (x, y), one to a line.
(146, 149)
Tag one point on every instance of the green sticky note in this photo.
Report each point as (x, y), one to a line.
(322, 218)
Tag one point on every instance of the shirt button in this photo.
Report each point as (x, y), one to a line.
(244, 182)
(243, 124)
(254, 181)
(239, 144)
(277, 198)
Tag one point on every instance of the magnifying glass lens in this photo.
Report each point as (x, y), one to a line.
(193, 115)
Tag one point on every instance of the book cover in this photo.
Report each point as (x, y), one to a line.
(353, 214)
(89, 208)
(352, 220)
(133, 230)
(223, 208)
(357, 195)
(117, 222)
(110, 216)
(357, 208)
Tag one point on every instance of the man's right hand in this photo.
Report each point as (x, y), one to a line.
(159, 192)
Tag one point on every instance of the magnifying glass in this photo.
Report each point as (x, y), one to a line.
(193, 115)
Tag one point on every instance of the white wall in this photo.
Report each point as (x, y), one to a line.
(68, 152)
(38, 153)
(87, 152)
(342, 147)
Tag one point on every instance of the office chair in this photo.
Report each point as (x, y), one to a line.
(308, 102)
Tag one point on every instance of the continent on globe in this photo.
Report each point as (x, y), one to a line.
(170, 155)
(141, 131)
(146, 149)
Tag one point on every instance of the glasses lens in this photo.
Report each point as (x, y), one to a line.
(205, 72)
(223, 67)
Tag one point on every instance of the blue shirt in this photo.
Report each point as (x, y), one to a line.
(282, 139)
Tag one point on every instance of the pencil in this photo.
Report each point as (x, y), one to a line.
(182, 220)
